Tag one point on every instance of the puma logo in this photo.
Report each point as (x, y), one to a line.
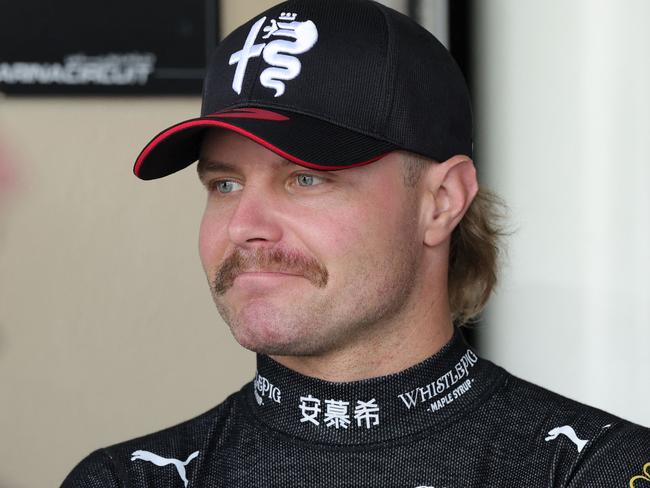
(568, 431)
(161, 461)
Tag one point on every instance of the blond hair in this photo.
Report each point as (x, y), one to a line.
(475, 249)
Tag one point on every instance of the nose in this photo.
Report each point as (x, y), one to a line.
(255, 218)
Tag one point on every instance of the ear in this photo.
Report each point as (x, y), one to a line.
(450, 188)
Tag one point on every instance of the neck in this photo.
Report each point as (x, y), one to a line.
(424, 396)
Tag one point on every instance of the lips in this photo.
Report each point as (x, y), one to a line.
(263, 267)
(269, 272)
(257, 280)
(265, 274)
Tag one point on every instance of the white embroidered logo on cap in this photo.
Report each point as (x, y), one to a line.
(279, 53)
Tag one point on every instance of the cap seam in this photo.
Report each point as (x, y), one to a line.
(389, 74)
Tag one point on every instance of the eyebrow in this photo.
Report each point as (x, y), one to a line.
(213, 166)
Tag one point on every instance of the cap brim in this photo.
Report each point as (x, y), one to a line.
(302, 139)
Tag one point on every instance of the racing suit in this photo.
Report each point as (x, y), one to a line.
(452, 420)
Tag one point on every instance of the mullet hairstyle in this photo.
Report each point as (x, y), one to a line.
(476, 246)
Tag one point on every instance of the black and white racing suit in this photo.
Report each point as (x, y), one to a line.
(453, 420)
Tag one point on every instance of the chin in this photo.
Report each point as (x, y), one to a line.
(263, 328)
(272, 341)
(263, 336)
(269, 348)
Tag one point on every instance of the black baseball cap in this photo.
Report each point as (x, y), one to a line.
(326, 84)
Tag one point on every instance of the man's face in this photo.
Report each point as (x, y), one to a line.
(346, 241)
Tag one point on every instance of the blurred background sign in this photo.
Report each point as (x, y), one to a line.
(118, 47)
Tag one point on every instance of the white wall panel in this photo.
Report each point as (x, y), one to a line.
(563, 124)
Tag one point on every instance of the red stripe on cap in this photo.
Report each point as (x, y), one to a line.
(217, 123)
(250, 113)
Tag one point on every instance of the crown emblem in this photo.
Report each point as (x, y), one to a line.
(288, 16)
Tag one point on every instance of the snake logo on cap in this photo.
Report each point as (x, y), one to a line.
(278, 53)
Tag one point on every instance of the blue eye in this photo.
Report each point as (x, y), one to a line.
(308, 178)
(223, 186)
(305, 180)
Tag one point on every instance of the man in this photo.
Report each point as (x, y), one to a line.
(344, 235)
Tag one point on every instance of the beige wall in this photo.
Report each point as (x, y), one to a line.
(107, 328)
